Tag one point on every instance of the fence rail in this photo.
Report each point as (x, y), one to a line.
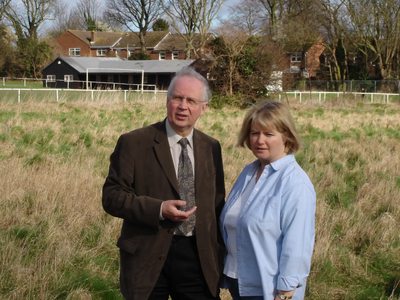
(372, 96)
(90, 92)
(103, 85)
(300, 95)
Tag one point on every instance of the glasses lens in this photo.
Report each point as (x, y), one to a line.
(189, 102)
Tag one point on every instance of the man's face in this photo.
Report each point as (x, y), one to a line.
(182, 116)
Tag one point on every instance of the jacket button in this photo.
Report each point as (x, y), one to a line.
(170, 231)
(162, 257)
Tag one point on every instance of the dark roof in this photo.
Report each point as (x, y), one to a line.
(102, 38)
(120, 40)
(159, 40)
(117, 65)
(175, 42)
(152, 38)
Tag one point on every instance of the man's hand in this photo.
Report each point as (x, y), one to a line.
(170, 210)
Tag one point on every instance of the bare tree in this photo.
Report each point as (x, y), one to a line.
(208, 10)
(88, 12)
(135, 14)
(3, 6)
(272, 7)
(282, 11)
(64, 19)
(29, 15)
(247, 16)
(184, 15)
(331, 18)
(377, 26)
(189, 16)
(228, 46)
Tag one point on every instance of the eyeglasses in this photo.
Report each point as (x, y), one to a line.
(189, 102)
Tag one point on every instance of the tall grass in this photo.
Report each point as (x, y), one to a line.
(57, 243)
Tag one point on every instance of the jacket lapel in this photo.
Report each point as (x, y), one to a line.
(200, 156)
(163, 154)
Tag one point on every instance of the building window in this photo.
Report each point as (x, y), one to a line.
(51, 78)
(101, 52)
(210, 77)
(68, 78)
(162, 55)
(295, 57)
(175, 55)
(74, 51)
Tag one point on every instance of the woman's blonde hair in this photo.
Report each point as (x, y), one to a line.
(271, 115)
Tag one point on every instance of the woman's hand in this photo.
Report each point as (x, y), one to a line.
(284, 293)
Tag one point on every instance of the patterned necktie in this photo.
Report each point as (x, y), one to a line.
(186, 186)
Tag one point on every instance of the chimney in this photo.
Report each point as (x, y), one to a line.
(93, 34)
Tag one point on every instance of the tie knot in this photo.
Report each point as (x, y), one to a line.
(184, 142)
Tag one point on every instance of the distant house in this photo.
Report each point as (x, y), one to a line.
(111, 73)
(160, 45)
(173, 47)
(304, 64)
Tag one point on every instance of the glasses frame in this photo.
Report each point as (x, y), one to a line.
(189, 102)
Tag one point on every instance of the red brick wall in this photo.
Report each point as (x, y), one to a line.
(313, 62)
(67, 40)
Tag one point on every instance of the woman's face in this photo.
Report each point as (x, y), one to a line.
(267, 145)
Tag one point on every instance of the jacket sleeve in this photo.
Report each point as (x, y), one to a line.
(119, 198)
(220, 191)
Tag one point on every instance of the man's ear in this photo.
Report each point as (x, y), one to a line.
(203, 108)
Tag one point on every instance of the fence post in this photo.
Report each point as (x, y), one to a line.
(92, 95)
(300, 98)
(19, 96)
(4, 81)
(24, 82)
(372, 97)
(57, 94)
(125, 95)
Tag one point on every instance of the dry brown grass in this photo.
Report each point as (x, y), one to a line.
(57, 243)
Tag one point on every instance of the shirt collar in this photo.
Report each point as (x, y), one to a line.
(174, 137)
(280, 163)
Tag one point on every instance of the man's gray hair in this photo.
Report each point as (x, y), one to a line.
(190, 72)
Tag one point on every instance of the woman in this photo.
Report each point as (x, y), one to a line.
(268, 219)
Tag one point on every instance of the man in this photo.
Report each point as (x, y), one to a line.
(151, 170)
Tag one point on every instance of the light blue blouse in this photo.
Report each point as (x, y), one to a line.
(275, 229)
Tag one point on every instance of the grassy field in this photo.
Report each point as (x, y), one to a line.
(56, 242)
(20, 84)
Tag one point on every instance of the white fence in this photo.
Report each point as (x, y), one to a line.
(91, 92)
(381, 97)
(302, 96)
(86, 84)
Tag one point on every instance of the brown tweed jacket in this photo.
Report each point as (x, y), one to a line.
(141, 176)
